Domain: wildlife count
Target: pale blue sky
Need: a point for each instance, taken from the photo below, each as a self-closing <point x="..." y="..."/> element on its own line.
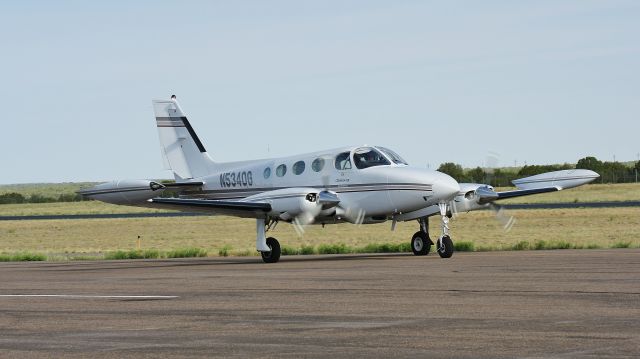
<point x="537" y="81"/>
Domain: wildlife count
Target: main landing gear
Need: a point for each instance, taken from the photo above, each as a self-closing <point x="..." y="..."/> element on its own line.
<point x="269" y="248"/>
<point x="421" y="243"/>
<point x="274" y="254"/>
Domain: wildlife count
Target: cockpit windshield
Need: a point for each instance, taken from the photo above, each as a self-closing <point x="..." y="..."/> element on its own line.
<point x="365" y="157"/>
<point x="393" y="156"/>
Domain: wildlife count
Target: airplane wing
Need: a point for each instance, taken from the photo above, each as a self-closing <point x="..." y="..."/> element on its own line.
<point x="230" y="208"/>
<point x="475" y="196"/>
<point x="542" y="183"/>
<point x="487" y="194"/>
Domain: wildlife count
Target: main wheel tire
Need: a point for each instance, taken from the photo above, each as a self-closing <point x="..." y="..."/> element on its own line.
<point x="445" y="247"/>
<point x="274" y="255"/>
<point x="420" y="244"/>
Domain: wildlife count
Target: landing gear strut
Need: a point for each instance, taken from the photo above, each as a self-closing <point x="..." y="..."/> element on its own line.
<point x="269" y="248"/>
<point x="420" y="242"/>
<point x="445" y="244"/>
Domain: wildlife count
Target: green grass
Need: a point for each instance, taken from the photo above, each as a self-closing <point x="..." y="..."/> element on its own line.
<point x="546" y="245"/>
<point x="133" y="254"/>
<point x="305" y="250"/>
<point x="186" y="253"/>
<point x="337" y="248"/>
<point x="462" y="246"/>
<point x="621" y="245"/>
<point x="224" y="251"/>
<point x="521" y="246"/>
<point x="289" y="251"/>
<point x="156" y="254"/>
<point x="22" y="257"/>
<point x="385" y="248"/>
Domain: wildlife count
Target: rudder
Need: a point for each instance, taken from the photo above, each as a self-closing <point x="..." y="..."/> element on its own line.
<point x="182" y="150"/>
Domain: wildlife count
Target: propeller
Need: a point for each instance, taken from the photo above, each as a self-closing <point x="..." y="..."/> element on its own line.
<point x="491" y="162"/>
<point x="323" y="200"/>
<point x="486" y="195"/>
<point x="507" y="221"/>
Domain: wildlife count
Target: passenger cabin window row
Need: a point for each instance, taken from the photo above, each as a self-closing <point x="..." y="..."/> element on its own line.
<point x="363" y="157"/>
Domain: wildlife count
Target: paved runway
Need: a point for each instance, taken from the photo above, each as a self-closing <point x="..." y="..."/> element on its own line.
<point x="535" y="304"/>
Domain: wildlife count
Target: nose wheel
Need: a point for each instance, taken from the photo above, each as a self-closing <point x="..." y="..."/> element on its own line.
<point x="445" y="246"/>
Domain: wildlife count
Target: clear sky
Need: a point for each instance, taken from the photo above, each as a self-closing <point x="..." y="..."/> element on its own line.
<point x="535" y="81"/>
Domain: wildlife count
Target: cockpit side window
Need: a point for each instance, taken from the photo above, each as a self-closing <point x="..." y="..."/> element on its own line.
<point x="343" y="161"/>
<point x="366" y="157"/>
<point x="393" y="156"/>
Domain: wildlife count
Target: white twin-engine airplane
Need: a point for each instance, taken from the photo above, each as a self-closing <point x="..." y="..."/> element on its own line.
<point x="359" y="184"/>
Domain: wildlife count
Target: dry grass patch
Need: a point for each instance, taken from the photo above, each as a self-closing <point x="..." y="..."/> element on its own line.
<point x="581" y="228"/>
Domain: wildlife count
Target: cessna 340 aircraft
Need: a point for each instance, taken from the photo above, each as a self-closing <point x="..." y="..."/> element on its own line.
<point x="359" y="184"/>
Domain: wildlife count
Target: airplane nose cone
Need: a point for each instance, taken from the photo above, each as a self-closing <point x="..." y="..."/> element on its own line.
<point x="445" y="187"/>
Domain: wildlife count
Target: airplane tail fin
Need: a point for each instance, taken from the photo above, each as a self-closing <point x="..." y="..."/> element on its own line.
<point x="182" y="151"/>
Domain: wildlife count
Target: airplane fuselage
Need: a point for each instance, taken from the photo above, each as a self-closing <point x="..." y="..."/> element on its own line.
<point x="379" y="191"/>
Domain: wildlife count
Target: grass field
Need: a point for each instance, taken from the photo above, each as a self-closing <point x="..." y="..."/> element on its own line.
<point x="57" y="208"/>
<point x="45" y="189"/>
<point x="607" y="227"/>
<point x="602" y="228"/>
<point x="589" y="193"/>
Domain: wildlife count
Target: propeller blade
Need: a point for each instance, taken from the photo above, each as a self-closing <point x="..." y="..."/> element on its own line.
<point x="506" y="220"/>
<point x="304" y="219"/>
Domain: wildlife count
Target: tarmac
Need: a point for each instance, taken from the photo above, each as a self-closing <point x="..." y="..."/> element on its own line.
<point x="530" y="304"/>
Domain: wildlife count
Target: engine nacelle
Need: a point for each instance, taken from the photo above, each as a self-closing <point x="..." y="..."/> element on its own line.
<point x="468" y="201"/>
<point x="124" y="192"/>
<point x="289" y="203"/>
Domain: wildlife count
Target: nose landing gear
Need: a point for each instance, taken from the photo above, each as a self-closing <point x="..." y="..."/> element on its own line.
<point x="445" y="244"/>
<point x="421" y="243"/>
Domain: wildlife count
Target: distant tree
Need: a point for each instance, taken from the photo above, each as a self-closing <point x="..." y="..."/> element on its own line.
<point x="69" y="197"/>
<point x="476" y="175"/>
<point x="538" y="169"/>
<point x="589" y="163"/>
<point x="11" y="198"/>
<point x="614" y="172"/>
<point x="38" y="198"/>
<point x="454" y="170"/>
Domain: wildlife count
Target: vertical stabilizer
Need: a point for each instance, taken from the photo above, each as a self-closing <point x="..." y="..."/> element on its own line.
<point x="181" y="148"/>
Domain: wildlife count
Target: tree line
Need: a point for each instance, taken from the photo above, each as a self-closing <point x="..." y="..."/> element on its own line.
<point x="610" y="172"/>
<point x="16" y="198"/>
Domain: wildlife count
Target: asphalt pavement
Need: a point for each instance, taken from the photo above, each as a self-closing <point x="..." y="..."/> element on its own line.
<point x="530" y="304"/>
